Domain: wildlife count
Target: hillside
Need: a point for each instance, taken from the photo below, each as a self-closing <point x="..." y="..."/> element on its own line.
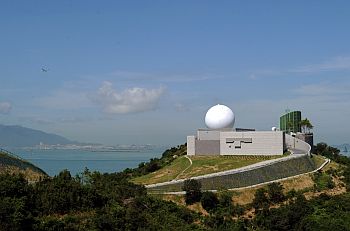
<point x="18" y="136"/>
<point x="9" y="163"/>
<point x="181" y="167"/>
<point x="344" y="148"/>
<point x="278" y="170"/>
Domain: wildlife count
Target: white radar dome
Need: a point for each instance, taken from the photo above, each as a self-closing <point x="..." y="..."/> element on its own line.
<point x="273" y="129"/>
<point x="219" y="116"/>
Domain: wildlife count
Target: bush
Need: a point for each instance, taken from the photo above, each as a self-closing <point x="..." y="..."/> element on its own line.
<point x="260" y="200"/>
<point x="193" y="191"/>
<point x="209" y="201"/>
<point x="322" y="181"/>
<point x="275" y="192"/>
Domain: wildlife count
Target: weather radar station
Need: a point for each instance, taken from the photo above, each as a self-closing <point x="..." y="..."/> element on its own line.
<point x="222" y="138"/>
<point x="219" y="117"/>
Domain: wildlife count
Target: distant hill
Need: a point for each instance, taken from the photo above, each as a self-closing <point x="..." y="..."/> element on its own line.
<point x="344" y="148"/>
<point x="18" y="136"/>
<point x="10" y="163"/>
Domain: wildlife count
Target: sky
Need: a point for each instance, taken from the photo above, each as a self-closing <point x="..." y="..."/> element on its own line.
<point x="146" y="72"/>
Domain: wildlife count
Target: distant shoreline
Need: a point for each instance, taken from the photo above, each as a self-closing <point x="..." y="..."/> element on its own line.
<point x="117" y="150"/>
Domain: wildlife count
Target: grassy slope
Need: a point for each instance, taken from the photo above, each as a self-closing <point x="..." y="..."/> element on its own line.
<point x="275" y="171"/>
<point x="209" y="164"/>
<point x="201" y="165"/>
<point x="13" y="165"/>
<point x="318" y="160"/>
<point x="165" y="174"/>
<point x="302" y="183"/>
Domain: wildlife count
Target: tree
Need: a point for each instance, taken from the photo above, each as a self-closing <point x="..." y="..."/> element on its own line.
<point x="275" y="192"/>
<point x="289" y="126"/>
<point x="209" y="201"/>
<point x="306" y="125"/>
<point x="193" y="191"/>
<point x="260" y="200"/>
<point x="309" y="126"/>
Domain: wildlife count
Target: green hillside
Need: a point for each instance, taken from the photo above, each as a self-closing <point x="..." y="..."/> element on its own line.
<point x="271" y="172"/>
<point x="9" y="163"/>
<point x="181" y="168"/>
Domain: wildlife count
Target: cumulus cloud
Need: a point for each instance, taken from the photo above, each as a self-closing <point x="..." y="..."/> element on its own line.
<point x="131" y="100"/>
<point x="5" y="107"/>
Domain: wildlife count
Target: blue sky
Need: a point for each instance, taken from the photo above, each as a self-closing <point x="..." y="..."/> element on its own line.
<point x="124" y="72"/>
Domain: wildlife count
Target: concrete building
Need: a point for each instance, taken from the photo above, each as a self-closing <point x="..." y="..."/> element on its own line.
<point x="221" y="139"/>
<point x="216" y="142"/>
<point x="290" y="122"/>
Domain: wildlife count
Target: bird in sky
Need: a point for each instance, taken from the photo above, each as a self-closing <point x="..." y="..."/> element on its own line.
<point x="44" y="69"/>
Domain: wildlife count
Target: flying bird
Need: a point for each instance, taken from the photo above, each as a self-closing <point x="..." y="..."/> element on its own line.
<point x="44" y="70"/>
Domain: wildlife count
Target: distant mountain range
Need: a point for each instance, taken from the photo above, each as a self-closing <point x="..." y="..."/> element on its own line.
<point x="18" y="136"/>
<point x="343" y="147"/>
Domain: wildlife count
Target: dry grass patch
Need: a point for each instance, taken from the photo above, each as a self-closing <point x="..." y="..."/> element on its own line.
<point x="298" y="183"/>
<point x="167" y="173"/>
<point x="28" y="174"/>
<point x="197" y="207"/>
<point x="245" y="196"/>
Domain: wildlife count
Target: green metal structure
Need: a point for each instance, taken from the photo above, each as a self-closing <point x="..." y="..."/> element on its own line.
<point x="290" y="122"/>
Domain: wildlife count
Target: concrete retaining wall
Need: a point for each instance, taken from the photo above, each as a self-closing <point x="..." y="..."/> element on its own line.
<point x="272" y="170"/>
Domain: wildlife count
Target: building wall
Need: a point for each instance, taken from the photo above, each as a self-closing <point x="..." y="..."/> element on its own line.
<point x="308" y="138"/>
<point x="207" y="147"/>
<point x="191" y="145"/>
<point x="295" y="143"/>
<point x="252" y="143"/>
<point x="208" y="135"/>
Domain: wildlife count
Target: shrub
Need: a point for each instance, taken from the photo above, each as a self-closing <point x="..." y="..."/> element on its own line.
<point x="275" y="192"/>
<point x="209" y="201"/>
<point x="193" y="191"/>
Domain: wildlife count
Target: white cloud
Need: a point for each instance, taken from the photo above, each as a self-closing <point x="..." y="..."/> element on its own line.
<point x="130" y="100"/>
<point x="334" y="64"/>
<point x="5" y="107"/>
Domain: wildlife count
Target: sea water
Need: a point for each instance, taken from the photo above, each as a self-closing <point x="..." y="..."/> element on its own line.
<point x="53" y="161"/>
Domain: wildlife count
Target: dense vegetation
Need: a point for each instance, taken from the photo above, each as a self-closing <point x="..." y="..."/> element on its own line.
<point x="91" y="201"/>
<point x="95" y="201"/>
